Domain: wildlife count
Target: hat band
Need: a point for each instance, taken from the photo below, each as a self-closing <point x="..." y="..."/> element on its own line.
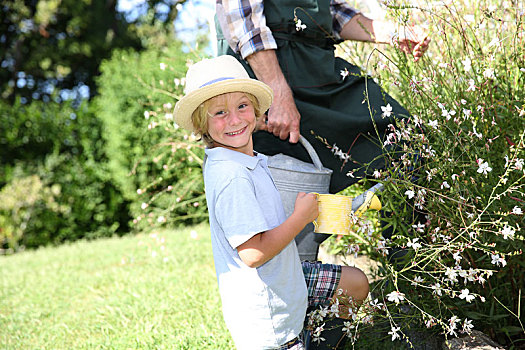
<point x="216" y="80"/>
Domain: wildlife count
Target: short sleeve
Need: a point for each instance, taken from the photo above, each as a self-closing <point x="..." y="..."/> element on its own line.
<point x="243" y="25"/>
<point x="341" y="13"/>
<point x="238" y="212"/>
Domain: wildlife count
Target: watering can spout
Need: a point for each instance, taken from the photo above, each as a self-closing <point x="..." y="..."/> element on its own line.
<point x="367" y="200"/>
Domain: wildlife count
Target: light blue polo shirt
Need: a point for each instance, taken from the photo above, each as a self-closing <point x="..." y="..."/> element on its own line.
<point x="263" y="307"/>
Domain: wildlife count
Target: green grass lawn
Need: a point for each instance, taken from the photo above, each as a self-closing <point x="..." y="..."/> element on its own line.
<point x="150" y="291"/>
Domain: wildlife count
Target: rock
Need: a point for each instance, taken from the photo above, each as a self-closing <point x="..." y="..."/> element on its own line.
<point x="475" y="341"/>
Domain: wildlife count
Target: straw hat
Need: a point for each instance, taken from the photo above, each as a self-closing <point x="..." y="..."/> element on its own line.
<point x="212" y="77"/>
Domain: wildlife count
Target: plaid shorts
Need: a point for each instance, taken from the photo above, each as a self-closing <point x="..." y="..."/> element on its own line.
<point x="321" y="281"/>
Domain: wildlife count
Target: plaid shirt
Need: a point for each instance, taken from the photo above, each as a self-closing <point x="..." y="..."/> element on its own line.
<point x="244" y="25"/>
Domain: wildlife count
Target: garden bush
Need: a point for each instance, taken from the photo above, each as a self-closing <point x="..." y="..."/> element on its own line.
<point x="464" y="264"/>
<point x="155" y="165"/>
<point x="54" y="179"/>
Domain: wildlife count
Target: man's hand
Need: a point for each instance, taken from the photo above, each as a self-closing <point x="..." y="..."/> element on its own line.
<point x="412" y="41"/>
<point x="283" y="118"/>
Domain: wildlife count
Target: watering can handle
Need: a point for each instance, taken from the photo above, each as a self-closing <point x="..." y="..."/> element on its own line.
<point x="311" y="151"/>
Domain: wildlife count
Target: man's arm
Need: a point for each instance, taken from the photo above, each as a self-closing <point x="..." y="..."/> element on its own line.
<point x="283" y="117"/>
<point x="247" y="34"/>
<point x="409" y="39"/>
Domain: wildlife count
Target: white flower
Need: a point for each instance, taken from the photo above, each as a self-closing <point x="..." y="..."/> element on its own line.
<point x="433" y="124"/>
<point x="478" y="135"/>
<point x="467" y="64"/>
<point x="465" y="295"/>
<point x="417" y="121"/>
<point x="467" y="112"/>
<point x="519" y="164"/>
<point x="334" y="309"/>
<point x="483" y="167"/>
<point x="497" y="260"/>
<point x="451" y="274"/>
<point x="344" y="73"/>
<point x="144" y="206"/>
<point x="146" y="115"/>
<point x="387" y="111"/>
<point x="437" y="289"/>
<point x="394" y="333"/>
<point x="410" y="194"/>
<point x="445" y="185"/>
<point x="471" y="85"/>
<point x="419" y="227"/>
<point x="414" y="244"/>
<point x="316" y="335"/>
<point x="299" y="26"/>
<point x="339" y="153"/>
<point x="396" y="296"/>
<point x="508" y="232"/>
<point x="467" y="325"/>
<point x="163" y="66"/>
<point x="430" y="323"/>
<point x="348" y="326"/>
<point x="517" y="210"/>
<point x="417" y="280"/>
<point x="489" y="73"/>
<point x="448" y="114"/>
<point x="453" y="320"/>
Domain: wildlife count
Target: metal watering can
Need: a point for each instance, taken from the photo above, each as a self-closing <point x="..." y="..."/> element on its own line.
<point x="292" y="176"/>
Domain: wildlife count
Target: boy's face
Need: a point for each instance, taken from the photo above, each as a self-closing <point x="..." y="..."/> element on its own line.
<point x="231" y="122"/>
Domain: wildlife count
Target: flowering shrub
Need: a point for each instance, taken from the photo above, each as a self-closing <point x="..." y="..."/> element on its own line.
<point x="463" y="267"/>
<point x="156" y="165"/>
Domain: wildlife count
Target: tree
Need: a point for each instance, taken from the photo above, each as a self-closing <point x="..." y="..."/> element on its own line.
<point x="54" y="48"/>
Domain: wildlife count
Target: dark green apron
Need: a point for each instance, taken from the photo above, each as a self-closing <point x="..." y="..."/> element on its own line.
<point x="331" y="107"/>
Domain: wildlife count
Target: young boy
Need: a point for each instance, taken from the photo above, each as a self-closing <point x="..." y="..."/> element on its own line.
<point x="265" y="289"/>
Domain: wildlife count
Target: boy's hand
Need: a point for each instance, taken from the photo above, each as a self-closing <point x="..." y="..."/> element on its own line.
<point x="306" y="206"/>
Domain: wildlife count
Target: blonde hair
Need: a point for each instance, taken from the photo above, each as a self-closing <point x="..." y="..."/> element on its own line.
<point x="199" y="117"/>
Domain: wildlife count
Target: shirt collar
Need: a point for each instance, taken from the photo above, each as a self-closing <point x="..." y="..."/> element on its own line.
<point x="221" y="154"/>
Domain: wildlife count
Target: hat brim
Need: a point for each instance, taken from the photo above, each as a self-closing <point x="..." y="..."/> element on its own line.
<point x="185" y="107"/>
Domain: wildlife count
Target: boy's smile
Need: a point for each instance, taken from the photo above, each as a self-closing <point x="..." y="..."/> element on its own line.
<point x="231" y="122"/>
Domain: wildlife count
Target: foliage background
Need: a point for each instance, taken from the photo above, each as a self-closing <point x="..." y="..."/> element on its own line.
<point x="88" y="147"/>
<point x="467" y="95"/>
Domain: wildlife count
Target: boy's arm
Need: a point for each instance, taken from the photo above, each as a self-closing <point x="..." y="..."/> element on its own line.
<point x="264" y="246"/>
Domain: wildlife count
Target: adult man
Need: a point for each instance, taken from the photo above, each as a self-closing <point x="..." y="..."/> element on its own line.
<point x="290" y="46"/>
